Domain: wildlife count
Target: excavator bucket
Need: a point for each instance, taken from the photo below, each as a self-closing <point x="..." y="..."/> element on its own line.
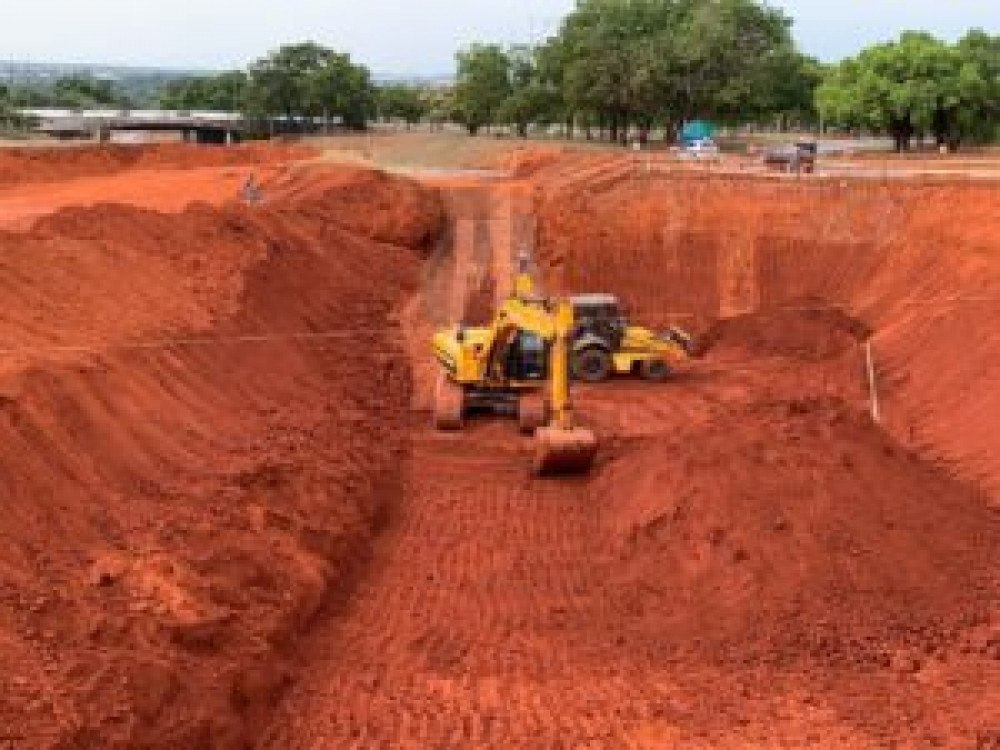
<point x="562" y="451"/>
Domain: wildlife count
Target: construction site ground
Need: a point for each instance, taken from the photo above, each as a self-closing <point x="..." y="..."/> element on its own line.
<point x="227" y="522"/>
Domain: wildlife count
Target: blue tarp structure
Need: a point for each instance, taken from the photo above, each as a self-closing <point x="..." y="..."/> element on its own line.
<point x="696" y="130"/>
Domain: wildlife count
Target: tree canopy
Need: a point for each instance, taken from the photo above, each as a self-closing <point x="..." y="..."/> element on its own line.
<point x="86" y="92"/>
<point x="301" y="83"/>
<point x="225" y="92"/>
<point x="622" y="65"/>
<point x="615" y="63"/>
<point x="482" y="85"/>
<point x="310" y="81"/>
<point x="915" y="85"/>
<point x="402" y="102"/>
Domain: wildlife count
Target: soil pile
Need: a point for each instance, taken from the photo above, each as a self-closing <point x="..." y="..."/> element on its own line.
<point x="791" y="543"/>
<point x="201" y="422"/>
<point x="799" y="519"/>
<point x="807" y="331"/>
<point x="19" y="166"/>
<point x="362" y="201"/>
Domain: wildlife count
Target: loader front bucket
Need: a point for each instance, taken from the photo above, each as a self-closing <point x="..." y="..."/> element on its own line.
<point x="562" y="451"/>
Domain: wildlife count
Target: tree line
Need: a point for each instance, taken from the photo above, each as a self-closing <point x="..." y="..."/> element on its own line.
<point x="615" y="69"/>
<point x="75" y="92"/>
<point x="918" y="86"/>
<point x="298" y="85"/>
<point x="68" y="92"/>
<point x="622" y="66"/>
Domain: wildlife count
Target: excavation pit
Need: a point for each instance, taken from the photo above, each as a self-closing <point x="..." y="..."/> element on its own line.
<point x="230" y="522"/>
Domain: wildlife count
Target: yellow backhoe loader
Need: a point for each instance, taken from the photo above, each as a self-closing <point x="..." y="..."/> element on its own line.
<point x="518" y="365"/>
<point x="605" y="343"/>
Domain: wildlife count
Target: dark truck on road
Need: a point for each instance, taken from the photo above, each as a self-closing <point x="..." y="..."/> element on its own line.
<point x="798" y="158"/>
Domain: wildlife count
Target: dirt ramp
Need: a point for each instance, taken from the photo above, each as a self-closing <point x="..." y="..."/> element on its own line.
<point x="202" y="421"/>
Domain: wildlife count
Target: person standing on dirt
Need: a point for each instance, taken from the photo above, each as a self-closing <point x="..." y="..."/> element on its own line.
<point x="251" y="190"/>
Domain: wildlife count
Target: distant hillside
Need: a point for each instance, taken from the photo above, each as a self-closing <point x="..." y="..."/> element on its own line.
<point x="20" y="72"/>
<point x="139" y="85"/>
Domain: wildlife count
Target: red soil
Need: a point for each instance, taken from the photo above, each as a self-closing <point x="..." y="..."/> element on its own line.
<point x="754" y="564"/>
<point x="182" y="500"/>
<point x="918" y="264"/>
<point x="188" y="555"/>
<point x="19" y="166"/>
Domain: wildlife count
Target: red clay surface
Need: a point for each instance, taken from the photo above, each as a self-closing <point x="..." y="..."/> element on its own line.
<point x="20" y="166"/>
<point x="200" y="419"/>
<point x="243" y="540"/>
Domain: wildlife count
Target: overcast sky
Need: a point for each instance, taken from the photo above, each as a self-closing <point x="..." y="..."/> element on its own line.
<point x="398" y="37"/>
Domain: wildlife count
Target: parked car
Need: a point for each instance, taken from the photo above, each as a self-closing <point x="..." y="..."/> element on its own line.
<point x="704" y="148"/>
<point x="800" y="157"/>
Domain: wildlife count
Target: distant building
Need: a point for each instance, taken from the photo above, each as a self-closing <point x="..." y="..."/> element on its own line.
<point x="139" y="126"/>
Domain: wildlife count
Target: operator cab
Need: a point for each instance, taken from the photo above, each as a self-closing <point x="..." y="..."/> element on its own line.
<point x="526" y="357"/>
<point x="600" y="316"/>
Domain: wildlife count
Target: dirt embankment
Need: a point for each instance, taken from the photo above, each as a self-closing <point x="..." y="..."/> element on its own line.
<point x="201" y="423"/>
<point x="796" y="548"/>
<point x="765" y="525"/>
<point x="919" y="265"/>
<point x="21" y="166"/>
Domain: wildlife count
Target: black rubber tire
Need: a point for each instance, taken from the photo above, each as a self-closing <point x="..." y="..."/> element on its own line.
<point x="591" y="365"/>
<point x="655" y="370"/>
<point x="449" y="406"/>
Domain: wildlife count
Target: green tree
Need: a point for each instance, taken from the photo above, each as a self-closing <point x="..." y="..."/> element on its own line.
<point x="980" y="53"/>
<point x="533" y="97"/>
<point x="225" y="92"/>
<point x="86" y="92"/>
<point x="483" y="85"/>
<point x="915" y="85"/>
<point x="307" y="82"/>
<point x="278" y="82"/>
<point x="339" y="88"/>
<point x="633" y="63"/>
<point x="402" y="102"/>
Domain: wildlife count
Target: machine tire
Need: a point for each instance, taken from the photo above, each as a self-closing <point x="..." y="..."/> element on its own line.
<point x="449" y="405"/>
<point x="532" y="413"/>
<point x="591" y="365"/>
<point x="655" y="370"/>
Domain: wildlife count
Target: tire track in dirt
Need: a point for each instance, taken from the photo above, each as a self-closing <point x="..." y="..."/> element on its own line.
<point x="463" y="633"/>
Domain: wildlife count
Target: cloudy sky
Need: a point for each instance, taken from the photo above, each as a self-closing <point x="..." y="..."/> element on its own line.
<point x="399" y="37"/>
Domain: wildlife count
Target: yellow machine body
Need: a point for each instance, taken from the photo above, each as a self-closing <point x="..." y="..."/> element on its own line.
<point x="643" y="345"/>
<point x="506" y="366"/>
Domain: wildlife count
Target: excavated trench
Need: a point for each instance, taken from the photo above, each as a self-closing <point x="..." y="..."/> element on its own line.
<point x="248" y="535"/>
<point x="754" y="563"/>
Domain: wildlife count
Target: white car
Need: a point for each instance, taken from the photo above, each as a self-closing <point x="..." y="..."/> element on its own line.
<point x="705" y="148"/>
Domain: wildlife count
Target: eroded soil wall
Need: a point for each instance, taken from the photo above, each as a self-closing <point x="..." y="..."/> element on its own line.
<point x="919" y="264"/>
<point x="201" y="424"/>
